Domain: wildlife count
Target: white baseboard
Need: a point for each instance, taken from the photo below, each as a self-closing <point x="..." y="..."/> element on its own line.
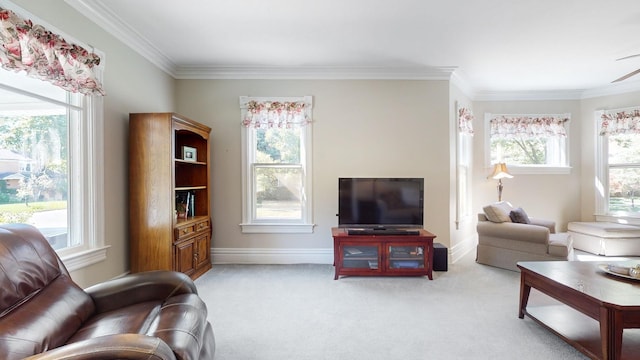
<point x="271" y="256"/>
<point x="460" y="250"/>
<point x="300" y="256"/>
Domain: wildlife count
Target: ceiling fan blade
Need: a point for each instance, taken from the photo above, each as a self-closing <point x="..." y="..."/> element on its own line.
<point x="627" y="76"/>
<point x="628" y="57"/>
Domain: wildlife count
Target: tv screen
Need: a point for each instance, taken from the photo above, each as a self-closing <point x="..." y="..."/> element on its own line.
<point x="381" y="202"/>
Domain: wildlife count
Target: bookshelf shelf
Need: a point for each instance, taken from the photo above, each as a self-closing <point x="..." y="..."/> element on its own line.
<point x="187" y="188"/>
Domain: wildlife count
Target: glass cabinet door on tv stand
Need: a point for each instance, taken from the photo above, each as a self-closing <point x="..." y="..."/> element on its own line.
<point x="405" y="256"/>
<point x="359" y="256"/>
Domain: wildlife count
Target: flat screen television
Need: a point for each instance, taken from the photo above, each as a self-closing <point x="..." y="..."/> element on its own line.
<point x="381" y="202"/>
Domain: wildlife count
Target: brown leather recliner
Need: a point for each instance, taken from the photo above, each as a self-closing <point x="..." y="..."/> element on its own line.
<point x="45" y="315"/>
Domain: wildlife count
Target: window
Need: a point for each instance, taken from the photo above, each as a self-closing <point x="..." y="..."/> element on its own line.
<point x="464" y="158"/>
<point x="619" y="162"/>
<point x="276" y="164"/>
<point x="50" y="137"/>
<point x="40" y="184"/>
<point x="528" y="143"/>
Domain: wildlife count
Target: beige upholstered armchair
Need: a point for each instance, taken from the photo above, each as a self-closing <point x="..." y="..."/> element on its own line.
<point x="507" y="235"/>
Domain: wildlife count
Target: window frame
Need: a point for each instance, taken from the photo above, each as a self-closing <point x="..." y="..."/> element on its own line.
<point x="527" y="169"/>
<point x="249" y="223"/>
<point x="602" y="212"/>
<point x="464" y="164"/>
<point x="86" y="159"/>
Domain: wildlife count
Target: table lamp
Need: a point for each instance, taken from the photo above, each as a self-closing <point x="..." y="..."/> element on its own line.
<point x="500" y="172"/>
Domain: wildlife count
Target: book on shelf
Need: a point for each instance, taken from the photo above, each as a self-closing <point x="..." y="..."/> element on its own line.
<point x="406" y="264"/>
<point x="353" y="251"/>
<point x="186" y="199"/>
<point x="192" y="203"/>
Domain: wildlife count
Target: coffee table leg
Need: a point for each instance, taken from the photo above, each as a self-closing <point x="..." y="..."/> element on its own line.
<point x="611" y="333"/>
<point x="525" y="290"/>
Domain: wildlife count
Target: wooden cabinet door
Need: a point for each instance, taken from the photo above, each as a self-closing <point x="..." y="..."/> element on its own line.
<point x="202" y="258"/>
<point x="185" y="257"/>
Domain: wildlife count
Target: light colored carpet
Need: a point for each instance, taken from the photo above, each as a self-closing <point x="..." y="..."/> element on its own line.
<point x="275" y="312"/>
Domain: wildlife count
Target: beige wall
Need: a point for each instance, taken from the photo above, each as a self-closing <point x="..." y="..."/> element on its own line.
<point x="132" y="85"/>
<point x="361" y="128"/>
<point x="555" y="197"/>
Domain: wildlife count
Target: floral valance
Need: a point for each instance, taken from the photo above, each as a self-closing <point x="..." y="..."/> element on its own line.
<point x="46" y="56"/>
<point x="528" y="126"/>
<point x="276" y="112"/>
<point x="621" y="121"/>
<point x="465" y="121"/>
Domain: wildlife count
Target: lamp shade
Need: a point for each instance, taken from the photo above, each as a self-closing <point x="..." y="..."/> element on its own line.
<point x="500" y="172"/>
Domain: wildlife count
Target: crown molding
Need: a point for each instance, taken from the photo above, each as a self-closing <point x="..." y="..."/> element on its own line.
<point x="459" y="79"/>
<point x="315" y="72"/>
<point x="612" y="89"/>
<point x="578" y="94"/>
<point x="528" y="95"/>
<point x="114" y="25"/>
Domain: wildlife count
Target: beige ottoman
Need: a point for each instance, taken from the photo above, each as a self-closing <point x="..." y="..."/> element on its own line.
<point x="605" y="238"/>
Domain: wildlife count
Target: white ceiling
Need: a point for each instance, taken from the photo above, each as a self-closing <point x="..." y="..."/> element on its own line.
<point x="488" y="46"/>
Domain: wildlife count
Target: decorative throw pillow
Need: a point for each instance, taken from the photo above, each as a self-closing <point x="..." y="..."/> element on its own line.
<point x="498" y="212"/>
<point x="519" y="216"/>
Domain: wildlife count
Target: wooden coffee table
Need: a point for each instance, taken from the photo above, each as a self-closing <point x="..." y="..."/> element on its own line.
<point x="612" y="301"/>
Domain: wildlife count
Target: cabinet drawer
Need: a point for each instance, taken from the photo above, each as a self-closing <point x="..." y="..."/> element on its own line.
<point x="184" y="232"/>
<point x="202" y="225"/>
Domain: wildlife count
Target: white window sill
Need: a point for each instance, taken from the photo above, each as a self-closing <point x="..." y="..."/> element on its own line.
<point x="535" y="170"/>
<point x="79" y="260"/>
<point x="620" y="219"/>
<point x="277" y="228"/>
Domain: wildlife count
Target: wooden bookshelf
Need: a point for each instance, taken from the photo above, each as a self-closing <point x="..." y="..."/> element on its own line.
<point x="158" y="174"/>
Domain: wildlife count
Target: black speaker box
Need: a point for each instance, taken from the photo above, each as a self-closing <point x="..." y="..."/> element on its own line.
<point x="440" y="257"/>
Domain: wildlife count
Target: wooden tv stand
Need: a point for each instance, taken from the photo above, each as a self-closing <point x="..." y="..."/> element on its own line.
<point x="382" y="255"/>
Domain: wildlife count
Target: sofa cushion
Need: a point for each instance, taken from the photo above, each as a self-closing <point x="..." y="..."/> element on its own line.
<point x="560" y="244"/>
<point x="605" y="229"/>
<point x="40" y="306"/>
<point x="519" y="216"/>
<point x="180" y="321"/>
<point x="498" y="212"/>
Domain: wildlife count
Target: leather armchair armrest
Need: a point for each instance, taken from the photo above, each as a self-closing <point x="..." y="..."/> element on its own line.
<point x="121" y="346"/>
<point x="139" y="287"/>
<point x="514" y="231"/>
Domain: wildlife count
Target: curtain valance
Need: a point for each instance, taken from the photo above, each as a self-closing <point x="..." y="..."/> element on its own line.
<point x="528" y="126"/>
<point x="621" y="121"/>
<point x="285" y="112"/>
<point x="465" y="121"/>
<point x="46" y="56"/>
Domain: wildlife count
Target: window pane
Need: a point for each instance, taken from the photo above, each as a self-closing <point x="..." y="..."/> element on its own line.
<point x="278" y="193"/>
<point x="624" y="149"/>
<point x="624" y="190"/>
<point x="278" y="146"/>
<point x="529" y="151"/>
<point x="34" y="184"/>
<point x="36" y="86"/>
<point x="624" y="173"/>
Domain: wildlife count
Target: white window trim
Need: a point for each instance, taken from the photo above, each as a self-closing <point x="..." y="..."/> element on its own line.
<point x="602" y="180"/>
<point x="86" y="216"/>
<point x="464" y="160"/>
<point x="88" y="219"/>
<point x="529" y="169"/>
<point x="249" y="224"/>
